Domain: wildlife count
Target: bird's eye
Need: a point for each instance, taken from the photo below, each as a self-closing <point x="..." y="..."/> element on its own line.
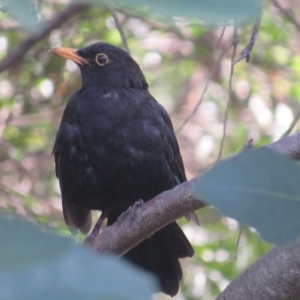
<point x="102" y="59"/>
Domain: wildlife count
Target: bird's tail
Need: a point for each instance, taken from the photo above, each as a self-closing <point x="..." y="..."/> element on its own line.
<point x="160" y="255"/>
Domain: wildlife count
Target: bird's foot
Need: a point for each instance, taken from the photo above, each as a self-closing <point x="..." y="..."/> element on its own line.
<point x="192" y="216"/>
<point x="131" y="211"/>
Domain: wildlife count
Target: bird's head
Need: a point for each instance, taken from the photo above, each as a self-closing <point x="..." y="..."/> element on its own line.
<point x="105" y="65"/>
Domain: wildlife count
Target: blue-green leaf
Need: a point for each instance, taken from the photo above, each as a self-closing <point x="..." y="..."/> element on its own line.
<point x="259" y="188"/>
<point x="212" y="12"/>
<point x="40" y="265"/>
<point x="23" y="11"/>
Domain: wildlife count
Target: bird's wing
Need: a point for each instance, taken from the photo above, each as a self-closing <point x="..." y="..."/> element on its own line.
<point x="174" y="158"/>
<point x="171" y="149"/>
<point x="76" y="217"/>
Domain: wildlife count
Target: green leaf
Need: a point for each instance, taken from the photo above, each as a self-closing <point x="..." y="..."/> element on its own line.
<point x="213" y="12"/>
<point x="37" y="245"/>
<point x="40" y="265"/>
<point x="259" y="188"/>
<point x="23" y="11"/>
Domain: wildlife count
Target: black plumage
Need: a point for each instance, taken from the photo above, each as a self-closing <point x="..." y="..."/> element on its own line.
<point x="116" y="145"/>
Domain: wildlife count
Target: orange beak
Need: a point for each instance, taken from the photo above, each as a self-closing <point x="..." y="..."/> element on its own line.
<point x="69" y="53"/>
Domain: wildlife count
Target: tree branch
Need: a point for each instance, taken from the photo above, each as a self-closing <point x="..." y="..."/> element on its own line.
<point x="289" y="146"/>
<point x="16" y="55"/>
<point x="248" y="49"/>
<point x="142" y="220"/>
<point x="288" y="15"/>
<point x="274" y="276"/>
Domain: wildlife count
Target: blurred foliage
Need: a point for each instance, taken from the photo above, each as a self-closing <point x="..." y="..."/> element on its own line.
<point x="176" y="60"/>
<point x="43" y="265"/>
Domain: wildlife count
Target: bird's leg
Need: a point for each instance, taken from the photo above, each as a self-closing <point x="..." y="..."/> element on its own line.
<point x="89" y="239"/>
<point x="99" y="223"/>
<point x="192" y="216"/>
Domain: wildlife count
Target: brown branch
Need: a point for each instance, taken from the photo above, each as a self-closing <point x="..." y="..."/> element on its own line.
<point x="274" y="276"/>
<point x="153" y="23"/>
<point x="288" y="146"/>
<point x="286" y="14"/>
<point x="247" y="51"/>
<point x="141" y="221"/>
<point x="16" y="55"/>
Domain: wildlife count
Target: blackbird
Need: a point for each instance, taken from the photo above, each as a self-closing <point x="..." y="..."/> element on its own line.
<point x="116" y="145"/>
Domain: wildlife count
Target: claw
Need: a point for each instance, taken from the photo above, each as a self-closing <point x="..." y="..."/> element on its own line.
<point x="192" y="216"/>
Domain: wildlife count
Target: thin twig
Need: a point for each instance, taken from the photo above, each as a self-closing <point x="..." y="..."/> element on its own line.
<point x="120" y="28"/>
<point x="286" y="14"/>
<point x="293" y="124"/>
<point x="154" y="24"/>
<point x="208" y="80"/>
<point x="16" y="55"/>
<point x="234" y="44"/>
<point x="237" y="242"/>
<point x="221" y="37"/>
<point x="248" y="49"/>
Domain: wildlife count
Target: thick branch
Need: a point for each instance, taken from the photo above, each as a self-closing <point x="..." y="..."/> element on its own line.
<point x="288" y="145"/>
<point x="141" y="221"/>
<point x="16" y="55"/>
<point x="275" y="276"/>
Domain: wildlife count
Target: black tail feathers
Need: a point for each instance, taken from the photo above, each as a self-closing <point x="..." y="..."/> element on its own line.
<point x="159" y="254"/>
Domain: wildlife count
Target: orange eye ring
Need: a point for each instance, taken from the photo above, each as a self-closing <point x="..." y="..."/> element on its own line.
<point x="101" y="59"/>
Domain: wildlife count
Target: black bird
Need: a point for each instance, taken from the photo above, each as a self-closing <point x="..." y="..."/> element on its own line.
<point x="116" y="145"/>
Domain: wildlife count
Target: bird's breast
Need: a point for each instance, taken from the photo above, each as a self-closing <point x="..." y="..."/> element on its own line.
<point x="110" y="153"/>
